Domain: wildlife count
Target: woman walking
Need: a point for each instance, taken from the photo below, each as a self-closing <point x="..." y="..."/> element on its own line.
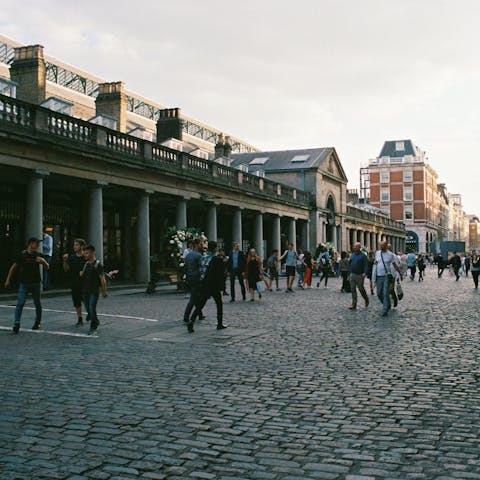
<point x="253" y="273"/>
<point x="344" y="265"/>
<point x="475" y="268"/>
<point x="308" y="265"/>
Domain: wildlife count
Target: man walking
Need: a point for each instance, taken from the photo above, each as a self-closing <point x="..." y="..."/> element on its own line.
<point x="93" y="279"/>
<point x="211" y="286"/>
<point x="385" y="261"/>
<point x="456" y="263"/>
<point x="412" y="264"/>
<point x="73" y="265"/>
<point x="358" y="270"/>
<point x="236" y="269"/>
<point x="193" y="264"/>
<point x="47" y="250"/>
<point x="272" y="265"/>
<point x="290" y="256"/>
<point x="27" y="266"/>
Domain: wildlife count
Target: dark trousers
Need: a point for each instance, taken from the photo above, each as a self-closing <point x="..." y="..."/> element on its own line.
<point x="345" y="283"/>
<point x="46" y="273"/>
<point x="90" y="301"/>
<point x="195" y="297"/>
<point x="475" y="277"/>
<point x="234" y="274"/>
<point x="413" y="270"/>
<point x="325" y="275"/>
<point x="23" y="290"/>
<point x="456" y="270"/>
<point x="217" y="297"/>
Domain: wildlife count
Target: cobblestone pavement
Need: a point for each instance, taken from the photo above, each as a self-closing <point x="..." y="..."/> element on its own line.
<point x="298" y="387"/>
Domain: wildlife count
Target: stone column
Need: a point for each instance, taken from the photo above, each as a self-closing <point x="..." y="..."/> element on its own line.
<point x="305" y="236"/>
<point x="292" y="232"/>
<point x="34" y="210"/>
<point x="95" y="218"/>
<point x="182" y="213"/>
<point x="276" y="234"/>
<point x="143" y="238"/>
<point x="237" y="227"/>
<point x="259" y="235"/>
<point x="212" y="223"/>
<point x="339" y="238"/>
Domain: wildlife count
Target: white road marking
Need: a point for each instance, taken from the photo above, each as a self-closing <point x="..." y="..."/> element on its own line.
<point x="74" y="313"/>
<point x="51" y="332"/>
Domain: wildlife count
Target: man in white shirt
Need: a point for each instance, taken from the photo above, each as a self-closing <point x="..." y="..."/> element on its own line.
<point x="47" y="250"/>
<point x="385" y="263"/>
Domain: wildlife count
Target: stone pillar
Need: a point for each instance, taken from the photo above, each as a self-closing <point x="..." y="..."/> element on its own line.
<point x="28" y="71"/>
<point x="143" y="238"/>
<point x="305" y="235"/>
<point x="212" y="223"/>
<point x="292" y="232"/>
<point x="34" y="210"/>
<point x="237" y="227"/>
<point x="276" y="234"/>
<point x="182" y="213"/>
<point x="259" y="235"/>
<point x="112" y="102"/>
<point x="339" y="237"/>
<point x="95" y="219"/>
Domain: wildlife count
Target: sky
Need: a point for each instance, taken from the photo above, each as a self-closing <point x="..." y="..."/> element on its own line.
<point x="285" y="75"/>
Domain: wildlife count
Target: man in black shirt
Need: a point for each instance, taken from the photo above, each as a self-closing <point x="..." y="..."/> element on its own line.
<point x="27" y="265"/>
<point x="92" y="280"/>
<point x="73" y="264"/>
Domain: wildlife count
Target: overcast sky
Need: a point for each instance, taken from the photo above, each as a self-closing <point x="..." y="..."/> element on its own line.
<point x="284" y="75"/>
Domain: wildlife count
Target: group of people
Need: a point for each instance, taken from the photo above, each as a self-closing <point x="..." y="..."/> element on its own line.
<point x="86" y="274"/>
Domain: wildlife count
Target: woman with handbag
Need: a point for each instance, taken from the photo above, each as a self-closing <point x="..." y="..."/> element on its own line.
<point x="253" y="273"/>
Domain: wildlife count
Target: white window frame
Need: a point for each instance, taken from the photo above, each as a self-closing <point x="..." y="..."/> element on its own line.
<point x="405" y="197"/>
<point x="408" y="178"/>
<point x="384" y="176"/>
<point x="408" y="209"/>
<point x="383" y="191"/>
<point x="400" y="146"/>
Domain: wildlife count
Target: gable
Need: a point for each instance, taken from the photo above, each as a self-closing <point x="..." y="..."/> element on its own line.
<point x="331" y="165"/>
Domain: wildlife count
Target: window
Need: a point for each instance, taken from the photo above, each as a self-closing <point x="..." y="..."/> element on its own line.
<point x="408" y="211"/>
<point x="300" y="158"/>
<point x="384" y="176"/>
<point x="407" y="194"/>
<point x="400" y="146"/>
<point x="407" y="175"/>
<point x="259" y="161"/>
<point x="384" y="194"/>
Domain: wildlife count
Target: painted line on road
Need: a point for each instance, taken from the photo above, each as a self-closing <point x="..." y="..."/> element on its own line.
<point x="52" y="332"/>
<point x="99" y="314"/>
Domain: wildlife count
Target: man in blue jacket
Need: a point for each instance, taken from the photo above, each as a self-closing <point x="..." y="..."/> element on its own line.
<point x="358" y="270"/>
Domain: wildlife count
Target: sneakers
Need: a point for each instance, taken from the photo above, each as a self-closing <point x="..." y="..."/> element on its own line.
<point x="36" y="326"/>
<point x="16" y="329"/>
<point x="221" y="326"/>
<point x="93" y="333"/>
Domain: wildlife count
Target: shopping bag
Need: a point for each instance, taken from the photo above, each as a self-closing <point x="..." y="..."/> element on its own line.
<point x="399" y="290"/>
<point x="260" y="286"/>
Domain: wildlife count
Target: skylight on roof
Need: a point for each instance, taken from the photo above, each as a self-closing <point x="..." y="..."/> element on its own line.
<point x="259" y="161"/>
<point x="300" y="158"/>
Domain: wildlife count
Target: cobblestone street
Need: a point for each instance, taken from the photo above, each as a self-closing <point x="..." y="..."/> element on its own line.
<point x="298" y="387"/>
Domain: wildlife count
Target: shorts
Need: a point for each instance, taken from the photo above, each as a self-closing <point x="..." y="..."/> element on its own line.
<point x="290" y="271"/>
<point x="77" y="295"/>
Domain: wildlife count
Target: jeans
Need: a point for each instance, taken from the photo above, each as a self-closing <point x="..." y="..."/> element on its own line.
<point x="383" y="294"/>
<point x="356" y="281"/>
<point x="236" y="273"/>
<point x="195" y="294"/>
<point x="90" y="301"/>
<point x="23" y="290"/>
<point x="217" y="297"/>
<point x="300" y="276"/>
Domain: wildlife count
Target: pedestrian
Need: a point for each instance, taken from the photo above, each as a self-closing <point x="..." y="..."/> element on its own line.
<point x="421" y="267"/>
<point x="273" y="268"/>
<point x="73" y="264"/>
<point x="344" y="267"/>
<point x="93" y="280"/>
<point x="290" y="256"/>
<point x="225" y="273"/>
<point x="475" y="264"/>
<point x="395" y="277"/>
<point x="467" y="264"/>
<point x="371" y="261"/>
<point x="308" y="265"/>
<point x="456" y="263"/>
<point x="324" y="262"/>
<point x="358" y="269"/>
<point x="26" y="268"/>
<point x="411" y="262"/>
<point x="193" y="277"/>
<point x="211" y="286"/>
<point x="382" y="273"/>
<point x="253" y="273"/>
<point x="186" y="251"/>
<point x="236" y="269"/>
<point x="300" y="269"/>
<point x="47" y="250"/>
<point x="403" y="263"/>
<point x="440" y="265"/>
<point x="336" y="264"/>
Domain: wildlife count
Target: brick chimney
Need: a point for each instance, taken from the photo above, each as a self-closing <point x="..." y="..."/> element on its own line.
<point x="220" y="146"/>
<point x="29" y="71"/>
<point x="227" y="148"/>
<point x="112" y="101"/>
<point x="169" y="124"/>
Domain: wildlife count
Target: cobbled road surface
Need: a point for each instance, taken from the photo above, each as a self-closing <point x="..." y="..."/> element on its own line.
<point x="298" y="387"/>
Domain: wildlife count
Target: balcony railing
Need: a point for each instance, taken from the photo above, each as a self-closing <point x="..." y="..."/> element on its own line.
<point x="359" y="213"/>
<point x="40" y="122"/>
